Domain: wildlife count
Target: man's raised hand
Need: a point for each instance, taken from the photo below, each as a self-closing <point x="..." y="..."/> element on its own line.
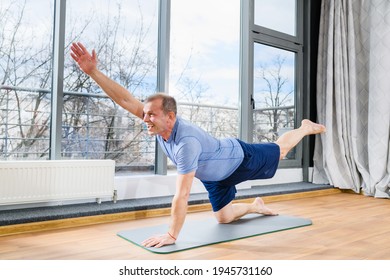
<point x="84" y="59"/>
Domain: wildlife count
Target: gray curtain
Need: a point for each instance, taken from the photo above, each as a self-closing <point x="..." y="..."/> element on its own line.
<point x="353" y="96"/>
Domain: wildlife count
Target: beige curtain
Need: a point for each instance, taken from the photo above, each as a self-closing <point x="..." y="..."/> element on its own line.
<point x="353" y="96"/>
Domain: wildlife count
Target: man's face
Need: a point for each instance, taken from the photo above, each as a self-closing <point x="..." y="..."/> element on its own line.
<point x="157" y="122"/>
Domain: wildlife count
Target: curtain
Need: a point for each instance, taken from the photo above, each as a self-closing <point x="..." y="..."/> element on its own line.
<point x="353" y="96"/>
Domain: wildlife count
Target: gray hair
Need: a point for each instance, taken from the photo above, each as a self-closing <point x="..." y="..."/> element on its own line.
<point x="168" y="102"/>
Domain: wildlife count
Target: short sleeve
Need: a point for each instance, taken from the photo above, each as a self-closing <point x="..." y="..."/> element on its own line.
<point x="187" y="155"/>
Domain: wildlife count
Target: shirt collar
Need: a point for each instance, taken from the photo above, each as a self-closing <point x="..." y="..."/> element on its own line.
<point x="172" y="137"/>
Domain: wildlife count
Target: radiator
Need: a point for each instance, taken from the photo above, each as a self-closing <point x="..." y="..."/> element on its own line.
<point x="55" y="180"/>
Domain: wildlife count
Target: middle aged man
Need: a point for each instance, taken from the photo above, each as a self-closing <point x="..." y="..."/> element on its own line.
<point x="219" y="163"/>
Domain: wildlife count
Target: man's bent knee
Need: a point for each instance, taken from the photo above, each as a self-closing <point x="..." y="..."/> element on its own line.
<point x="225" y="215"/>
<point x="224" y="220"/>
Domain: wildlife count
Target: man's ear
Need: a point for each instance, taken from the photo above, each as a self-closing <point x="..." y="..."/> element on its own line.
<point x="171" y="115"/>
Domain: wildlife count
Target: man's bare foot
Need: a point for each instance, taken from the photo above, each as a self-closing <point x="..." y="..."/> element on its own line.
<point x="312" y="128"/>
<point x="260" y="207"/>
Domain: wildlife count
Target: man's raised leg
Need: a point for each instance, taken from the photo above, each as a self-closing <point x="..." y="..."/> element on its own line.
<point x="234" y="211"/>
<point x="291" y="138"/>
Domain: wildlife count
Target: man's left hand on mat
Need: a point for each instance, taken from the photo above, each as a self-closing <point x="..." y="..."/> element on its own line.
<point x="158" y="241"/>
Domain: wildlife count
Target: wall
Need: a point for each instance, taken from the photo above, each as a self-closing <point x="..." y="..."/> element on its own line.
<point x="142" y="186"/>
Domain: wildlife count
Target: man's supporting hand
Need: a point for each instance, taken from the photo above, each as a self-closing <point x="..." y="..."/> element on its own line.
<point x="159" y="240"/>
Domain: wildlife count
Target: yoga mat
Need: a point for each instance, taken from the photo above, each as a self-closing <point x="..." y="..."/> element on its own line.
<point x="198" y="233"/>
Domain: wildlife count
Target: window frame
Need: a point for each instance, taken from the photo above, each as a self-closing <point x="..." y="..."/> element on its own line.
<point x="252" y="34"/>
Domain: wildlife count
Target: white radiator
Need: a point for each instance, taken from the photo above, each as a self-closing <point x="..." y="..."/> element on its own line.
<point x="55" y="180"/>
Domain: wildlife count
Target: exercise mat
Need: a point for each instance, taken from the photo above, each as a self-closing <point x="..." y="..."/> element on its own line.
<point x="198" y="233"/>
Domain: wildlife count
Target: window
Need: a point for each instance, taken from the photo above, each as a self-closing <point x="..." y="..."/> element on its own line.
<point x="124" y="35"/>
<point x="204" y="73"/>
<point x="25" y="73"/>
<point x="273" y="60"/>
<point x="204" y="63"/>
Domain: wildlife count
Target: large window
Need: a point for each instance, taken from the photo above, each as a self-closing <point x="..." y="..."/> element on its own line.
<point x="203" y="74"/>
<point x="124" y="35"/>
<point x="25" y="78"/>
<point x="204" y="63"/>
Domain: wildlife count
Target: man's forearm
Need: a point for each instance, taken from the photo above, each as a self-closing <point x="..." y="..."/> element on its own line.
<point x="121" y="96"/>
<point x="178" y="215"/>
<point x="118" y="94"/>
<point x="180" y="202"/>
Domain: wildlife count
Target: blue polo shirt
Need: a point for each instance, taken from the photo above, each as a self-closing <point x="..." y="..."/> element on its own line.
<point x="192" y="149"/>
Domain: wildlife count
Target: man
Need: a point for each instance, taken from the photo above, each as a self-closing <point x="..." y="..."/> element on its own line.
<point x="219" y="164"/>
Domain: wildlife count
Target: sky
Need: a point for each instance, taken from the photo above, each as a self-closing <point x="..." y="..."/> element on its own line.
<point x="279" y="15"/>
<point x="210" y="30"/>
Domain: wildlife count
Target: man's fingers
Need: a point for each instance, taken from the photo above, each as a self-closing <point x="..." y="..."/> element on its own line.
<point x="76" y="49"/>
<point x="145" y="242"/>
<point x="158" y="245"/>
<point x="74" y="56"/>
<point x="149" y="242"/>
<point x="157" y="241"/>
<point x="83" y="49"/>
<point x="79" y="50"/>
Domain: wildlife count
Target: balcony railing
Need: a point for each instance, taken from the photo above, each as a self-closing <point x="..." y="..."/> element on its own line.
<point x="93" y="127"/>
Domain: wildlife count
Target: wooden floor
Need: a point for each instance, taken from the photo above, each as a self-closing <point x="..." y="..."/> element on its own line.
<point x="345" y="226"/>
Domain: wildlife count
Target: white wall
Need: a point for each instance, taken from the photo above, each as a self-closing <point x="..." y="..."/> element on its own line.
<point x="143" y="186"/>
<point x="129" y="187"/>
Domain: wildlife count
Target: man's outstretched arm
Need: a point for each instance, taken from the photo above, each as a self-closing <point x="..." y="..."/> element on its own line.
<point x="178" y="212"/>
<point x="121" y="96"/>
